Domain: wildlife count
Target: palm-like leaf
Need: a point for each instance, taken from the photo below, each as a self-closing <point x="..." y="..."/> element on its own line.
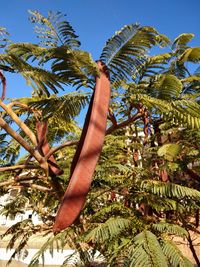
<point x="40" y="79"/>
<point x="163" y="227"/>
<point x="146" y="251"/>
<point x="65" y="107"/>
<point x="166" y="87"/>
<point x="53" y="30"/>
<point x="182" y="40"/>
<point x="108" y="230"/>
<point x="125" y="51"/>
<point x="169" y="151"/>
<point x="184" y="112"/>
<point x="71" y="66"/>
<point x="169" y="190"/>
<point x="174" y="255"/>
<point x="152" y="66"/>
<point x="190" y="55"/>
<point x="3" y="37"/>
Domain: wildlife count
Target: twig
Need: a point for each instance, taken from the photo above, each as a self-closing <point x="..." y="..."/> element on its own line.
<point x="6" y="183"/>
<point x="124" y="123"/>
<point x="18" y="167"/>
<point x="55" y="149"/>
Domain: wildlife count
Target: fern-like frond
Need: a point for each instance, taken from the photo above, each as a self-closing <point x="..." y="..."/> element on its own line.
<point x="182" y="112"/>
<point x="54" y="30"/>
<point x="71" y="66"/>
<point x="170" y="190"/>
<point x="125" y="51"/>
<point x="166" y="87"/>
<point x="190" y="55"/>
<point x="173" y="229"/>
<point x="65" y="107"/>
<point x="108" y="230"/>
<point x="182" y="40"/>
<point x="40" y="79"/>
<point x="78" y="66"/>
<point x="3" y="37"/>
<point x="146" y="251"/>
<point x="152" y="66"/>
<point x="176" y="258"/>
<point x="169" y="151"/>
<point x="20" y="233"/>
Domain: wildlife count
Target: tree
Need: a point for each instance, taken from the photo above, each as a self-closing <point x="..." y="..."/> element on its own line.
<point x="146" y="90"/>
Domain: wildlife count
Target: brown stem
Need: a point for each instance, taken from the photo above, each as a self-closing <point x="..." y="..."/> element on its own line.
<point x="28" y="178"/>
<point x="44" y="147"/>
<point x="192" y="249"/>
<point x="20" y="179"/>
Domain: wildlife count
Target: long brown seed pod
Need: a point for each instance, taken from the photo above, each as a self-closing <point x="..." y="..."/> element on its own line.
<point x="87" y="154"/>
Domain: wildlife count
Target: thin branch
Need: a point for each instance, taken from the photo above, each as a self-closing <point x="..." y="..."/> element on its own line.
<point x="124" y="123"/>
<point x="18" y="167"/>
<point x="28" y="178"/>
<point x="38" y="187"/>
<point x="21" y="179"/>
<point x="55" y="149"/>
<point x="20" y="123"/>
<point x="36" y="112"/>
<point x="111" y="117"/>
<point x="6" y="183"/>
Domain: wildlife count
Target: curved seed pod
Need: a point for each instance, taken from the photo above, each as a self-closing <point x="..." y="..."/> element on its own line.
<point x="87" y="154"/>
<point x="44" y="148"/>
<point x="3" y="80"/>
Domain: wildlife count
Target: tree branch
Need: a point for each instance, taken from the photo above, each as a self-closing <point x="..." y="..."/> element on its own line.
<point x="124" y="123"/>
<point x="18" y="167"/>
<point x="38" y="187"/>
<point x="55" y="149"/>
<point x="6" y="183"/>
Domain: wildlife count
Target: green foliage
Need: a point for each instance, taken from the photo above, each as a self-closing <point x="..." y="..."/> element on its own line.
<point x="170" y="190"/>
<point x="20" y="232"/>
<point x="191" y="55"/>
<point x="166" y="87"/>
<point x="130" y="216"/>
<point x="163" y="227"/>
<point x="14" y="206"/>
<point x="152" y="66"/>
<point x="125" y="51"/>
<point x="41" y="80"/>
<point x="174" y="255"/>
<point x="169" y="151"/>
<point x="183" y="112"/>
<point x="3" y="37"/>
<point x="182" y="40"/>
<point x="65" y="107"/>
<point x="107" y="231"/>
<point x="54" y="30"/>
<point x="146" y="251"/>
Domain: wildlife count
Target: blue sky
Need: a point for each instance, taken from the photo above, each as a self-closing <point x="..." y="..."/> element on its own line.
<point x="96" y="21"/>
